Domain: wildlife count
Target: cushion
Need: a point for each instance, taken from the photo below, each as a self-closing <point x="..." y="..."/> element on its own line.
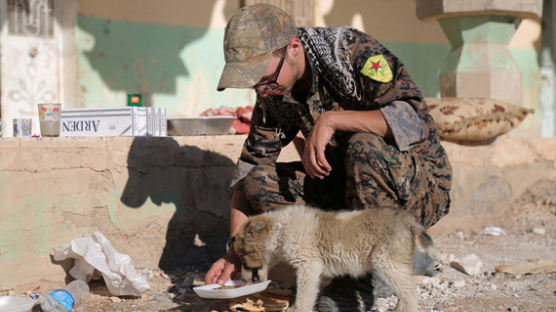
<point x="474" y="119"/>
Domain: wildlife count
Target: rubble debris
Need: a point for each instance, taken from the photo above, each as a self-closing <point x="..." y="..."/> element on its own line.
<point x="115" y="299"/>
<point x="422" y="280"/>
<point x="458" y="284"/>
<point x="493" y="231"/>
<point x="469" y="264"/>
<point x="446" y="258"/>
<point x="539" y="230"/>
<point x="540" y="267"/>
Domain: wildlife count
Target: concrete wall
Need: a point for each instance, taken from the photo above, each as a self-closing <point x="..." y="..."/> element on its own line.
<point x="152" y="196"/>
<point x="149" y="196"/>
<point x="172" y="53"/>
<point x="423" y="47"/>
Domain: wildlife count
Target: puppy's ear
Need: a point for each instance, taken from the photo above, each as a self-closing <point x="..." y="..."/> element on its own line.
<point x="257" y="226"/>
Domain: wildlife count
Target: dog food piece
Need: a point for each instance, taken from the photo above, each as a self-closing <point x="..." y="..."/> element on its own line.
<point x="266" y="302"/>
<point x="228" y="287"/>
<point x="248" y="305"/>
<point x="232" y="286"/>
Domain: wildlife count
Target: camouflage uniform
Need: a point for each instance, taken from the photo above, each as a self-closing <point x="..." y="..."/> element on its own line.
<point x="410" y="171"/>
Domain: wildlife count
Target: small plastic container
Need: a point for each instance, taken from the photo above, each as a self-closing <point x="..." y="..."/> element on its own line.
<point x="64" y="300"/>
<point x="16" y="304"/>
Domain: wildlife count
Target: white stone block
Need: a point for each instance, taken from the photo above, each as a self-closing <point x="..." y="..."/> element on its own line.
<point x="469" y="264"/>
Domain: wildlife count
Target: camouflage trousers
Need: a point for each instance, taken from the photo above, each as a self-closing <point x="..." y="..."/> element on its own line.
<point x="368" y="171"/>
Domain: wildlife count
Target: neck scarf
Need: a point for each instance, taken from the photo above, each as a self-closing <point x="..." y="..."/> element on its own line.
<point x="328" y="49"/>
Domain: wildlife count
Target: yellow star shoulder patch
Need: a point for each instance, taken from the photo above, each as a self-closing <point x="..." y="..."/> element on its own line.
<point x="376" y="67"/>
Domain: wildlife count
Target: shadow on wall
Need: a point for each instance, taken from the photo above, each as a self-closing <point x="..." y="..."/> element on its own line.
<point x="135" y="57"/>
<point x="196" y="182"/>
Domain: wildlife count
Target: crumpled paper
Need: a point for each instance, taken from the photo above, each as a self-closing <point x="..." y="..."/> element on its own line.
<point x="95" y="252"/>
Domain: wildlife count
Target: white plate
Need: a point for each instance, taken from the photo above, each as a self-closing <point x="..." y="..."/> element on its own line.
<point x="209" y="291"/>
<point x="15" y="304"/>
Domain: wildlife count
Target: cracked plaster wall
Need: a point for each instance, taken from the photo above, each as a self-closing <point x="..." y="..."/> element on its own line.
<point x="152" y="197"/>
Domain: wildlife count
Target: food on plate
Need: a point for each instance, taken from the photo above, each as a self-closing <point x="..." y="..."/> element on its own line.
<point x="229" y="287"/>
<point x="265" y="301"/>
<point x="242" y="116"/>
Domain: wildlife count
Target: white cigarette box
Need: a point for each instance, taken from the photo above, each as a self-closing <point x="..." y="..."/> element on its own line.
<point x="150" y="121"/>
<point x="156" y="128"/>
<point x="163" y="122"/>
<point x="121" y="121"/>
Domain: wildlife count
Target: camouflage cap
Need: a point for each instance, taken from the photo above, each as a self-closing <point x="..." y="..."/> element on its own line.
<point x="252" y="34"/>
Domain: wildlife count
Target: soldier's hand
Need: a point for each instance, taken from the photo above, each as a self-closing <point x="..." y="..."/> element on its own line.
<point x="224" y="269"/>
<point x="313" y="159"/>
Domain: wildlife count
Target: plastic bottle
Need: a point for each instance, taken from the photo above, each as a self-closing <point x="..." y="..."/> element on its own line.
<point x="64" y="300"/>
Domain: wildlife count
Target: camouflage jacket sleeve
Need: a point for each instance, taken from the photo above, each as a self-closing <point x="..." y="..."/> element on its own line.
<point x="265" y="139"/>
<point x="387" y="85"/>
<point x="404" y="123"/>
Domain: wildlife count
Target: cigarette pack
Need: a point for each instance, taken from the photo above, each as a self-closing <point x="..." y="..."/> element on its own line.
<point x="121" y="121"/>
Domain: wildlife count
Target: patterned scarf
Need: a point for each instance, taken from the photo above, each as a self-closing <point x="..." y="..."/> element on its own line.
<point x="328" y="50"/>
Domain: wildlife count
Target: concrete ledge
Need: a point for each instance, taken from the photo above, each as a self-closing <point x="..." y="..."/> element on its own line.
<point x="445" y="8"/>
<point x="488" y="178"/>
<point x="164" y="201"/>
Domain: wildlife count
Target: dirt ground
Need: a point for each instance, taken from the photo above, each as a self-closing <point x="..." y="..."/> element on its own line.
<point x="530" y="230"/>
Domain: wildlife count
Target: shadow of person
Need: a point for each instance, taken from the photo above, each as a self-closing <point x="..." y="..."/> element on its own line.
<point x="147" y="56"/>
<point x="196" y="182"/>
<point x="137" y="67"/>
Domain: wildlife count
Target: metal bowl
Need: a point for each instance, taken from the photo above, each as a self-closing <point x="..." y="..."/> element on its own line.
<point x="209" y="125"/>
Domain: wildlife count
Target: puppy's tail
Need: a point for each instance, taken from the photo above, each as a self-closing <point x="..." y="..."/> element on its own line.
<point x="424" y="243"/>
<point x="421" y="240"/>
<point x="424" y="255"/>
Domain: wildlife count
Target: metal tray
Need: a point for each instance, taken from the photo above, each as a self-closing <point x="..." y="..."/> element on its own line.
<point x="210" y="125"/>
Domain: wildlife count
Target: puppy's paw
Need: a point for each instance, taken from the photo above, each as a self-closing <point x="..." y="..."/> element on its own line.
<point x="291" y="309"/>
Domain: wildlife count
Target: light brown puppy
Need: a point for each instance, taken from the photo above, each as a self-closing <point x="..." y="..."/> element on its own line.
<point x="322" y="245"/>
